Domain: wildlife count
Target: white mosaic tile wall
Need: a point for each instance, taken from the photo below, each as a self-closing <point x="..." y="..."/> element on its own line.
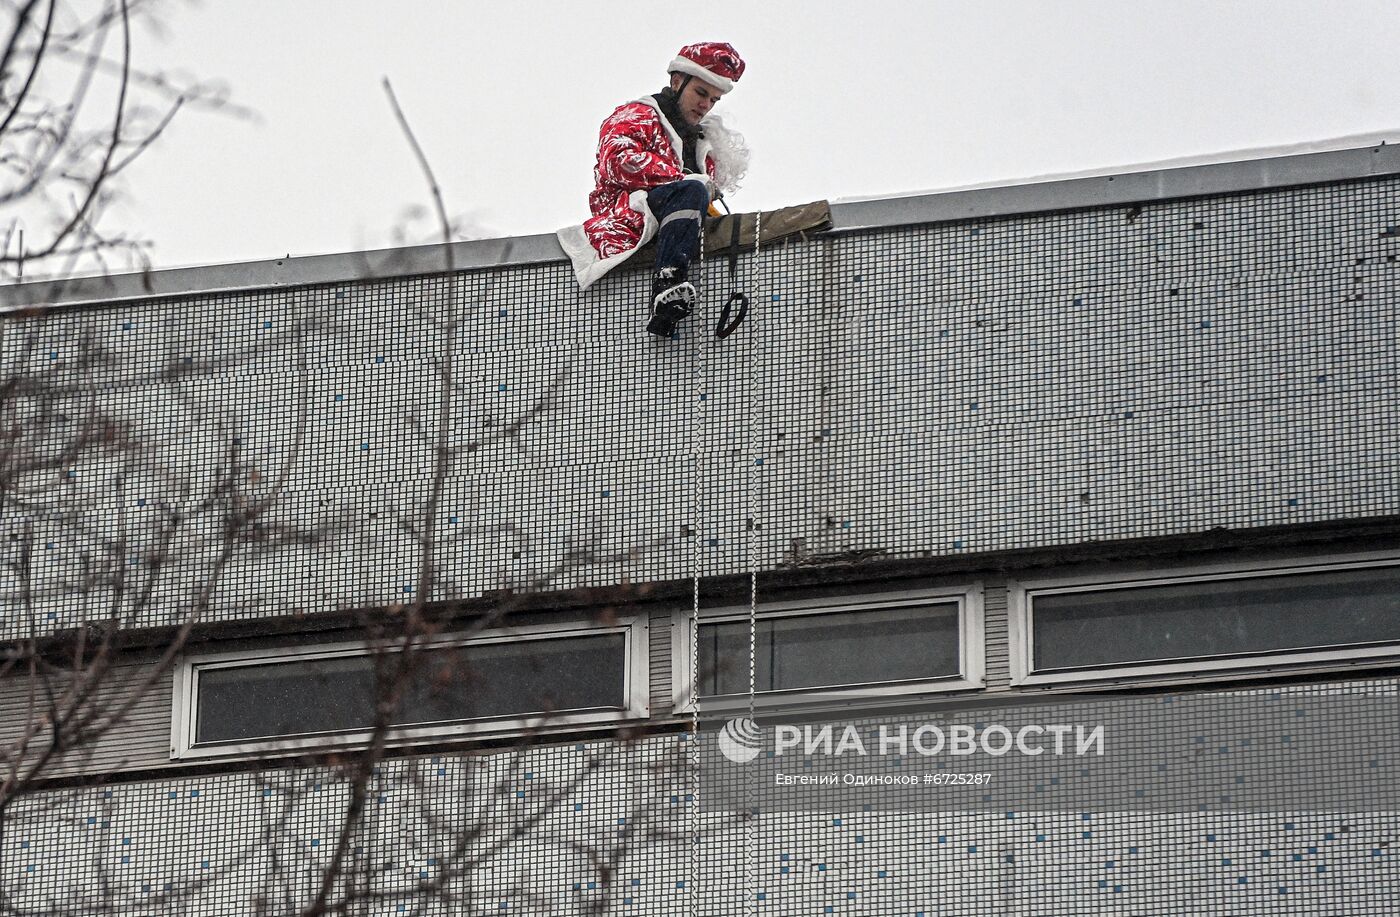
<point x="962" y="387"/>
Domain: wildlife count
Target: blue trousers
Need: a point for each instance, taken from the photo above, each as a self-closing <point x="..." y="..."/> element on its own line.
<point x="678" y="207"/>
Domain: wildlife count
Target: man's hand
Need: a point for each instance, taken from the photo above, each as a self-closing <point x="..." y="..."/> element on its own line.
<point x="707" y="181"/>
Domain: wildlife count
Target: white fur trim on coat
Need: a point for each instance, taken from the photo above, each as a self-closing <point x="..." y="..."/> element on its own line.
<point x="588" y="267"/>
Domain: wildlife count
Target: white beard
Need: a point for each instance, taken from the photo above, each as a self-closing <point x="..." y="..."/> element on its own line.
<point x="729" y="151"/>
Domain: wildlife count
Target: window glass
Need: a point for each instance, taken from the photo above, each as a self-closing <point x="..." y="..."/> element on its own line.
<point x="1265" y="614"/>
<point x="298" y="697"/>
<point x="832" y="649"/>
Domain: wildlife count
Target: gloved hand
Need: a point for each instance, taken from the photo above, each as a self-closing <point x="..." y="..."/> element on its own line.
<point x="707" y="181"/>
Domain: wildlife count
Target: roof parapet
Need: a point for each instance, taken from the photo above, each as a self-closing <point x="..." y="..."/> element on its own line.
<point x="850" y="216"/>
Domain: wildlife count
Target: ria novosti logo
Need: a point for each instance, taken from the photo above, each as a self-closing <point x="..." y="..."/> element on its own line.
<point x="741" y="740"/>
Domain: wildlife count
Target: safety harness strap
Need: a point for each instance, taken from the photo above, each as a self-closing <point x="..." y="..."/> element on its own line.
<point x="727" y="326"/>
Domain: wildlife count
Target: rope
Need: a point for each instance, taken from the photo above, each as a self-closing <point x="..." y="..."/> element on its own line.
<point x="751" y="822"/>
<point x="752" y="527"/>
<point x="698" y="379"/>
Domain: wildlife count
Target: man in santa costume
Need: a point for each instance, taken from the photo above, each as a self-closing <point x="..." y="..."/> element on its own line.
<point x="661" y="160"/>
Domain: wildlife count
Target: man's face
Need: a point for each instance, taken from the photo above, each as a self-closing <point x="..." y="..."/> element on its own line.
<point x="697" y="98"/>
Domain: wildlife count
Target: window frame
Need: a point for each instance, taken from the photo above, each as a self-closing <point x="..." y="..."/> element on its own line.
<point x="971" y="652"/>
<point x="1021" y="624"/>
<point x="635" y="690"/>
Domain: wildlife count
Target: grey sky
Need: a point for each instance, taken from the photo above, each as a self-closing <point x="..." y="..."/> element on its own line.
<point x="840" y="100"/>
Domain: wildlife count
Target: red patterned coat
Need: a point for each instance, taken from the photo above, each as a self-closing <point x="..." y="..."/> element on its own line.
<point x="637" y="151"/>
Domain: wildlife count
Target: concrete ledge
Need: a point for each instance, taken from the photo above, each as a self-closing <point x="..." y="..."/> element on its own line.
<point x="286" y="272"/>
<point x="1111" y="190"/>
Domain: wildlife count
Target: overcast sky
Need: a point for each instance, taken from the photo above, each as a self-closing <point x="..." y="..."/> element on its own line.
<point x="841" y="99"/>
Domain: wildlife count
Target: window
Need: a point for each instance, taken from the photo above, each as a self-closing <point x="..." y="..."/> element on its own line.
<point x="912" y="643"/>
<point x="1228" y="619"/>
<point x="500" y="681"/>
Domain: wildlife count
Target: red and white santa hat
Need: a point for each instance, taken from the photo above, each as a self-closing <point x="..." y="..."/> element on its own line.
<point x="714" y="62"/>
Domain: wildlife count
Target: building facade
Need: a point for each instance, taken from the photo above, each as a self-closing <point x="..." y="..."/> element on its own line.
<point x="975" y="457"/>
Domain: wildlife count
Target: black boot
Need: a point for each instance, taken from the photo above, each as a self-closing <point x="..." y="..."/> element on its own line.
<point x="672" y="299"/>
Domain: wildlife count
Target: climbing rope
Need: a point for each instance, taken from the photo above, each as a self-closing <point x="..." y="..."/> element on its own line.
<point x="698" y="378"/>
<point x="751" y="797"/>
<point x="727" y="325"/>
